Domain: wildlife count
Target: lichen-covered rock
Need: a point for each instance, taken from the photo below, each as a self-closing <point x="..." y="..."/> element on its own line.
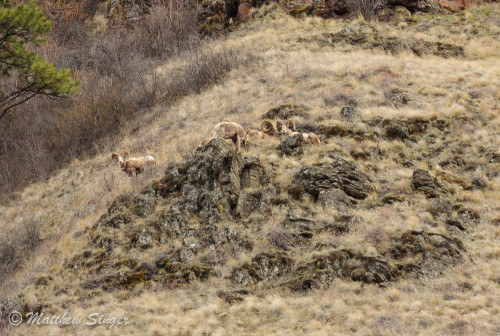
<point x="424" y="182"/>
<point x="253" y="174"/>
<point x="217" y="166"/>
<point x="441" y="209"/>
<point x="172" y="181"/>
<point x="248" y="203"/>
<point x="426" y="253"/>
<point x="337" y="199"/>
<point x="171" y="224"/>
<point x="218" y="236"/>
<point x="292" y="146"/>
<point x="213" y="180"/>
<point x="339" y="175"/>
<point x="145" y="203"/>
<point x="145" y="239"/>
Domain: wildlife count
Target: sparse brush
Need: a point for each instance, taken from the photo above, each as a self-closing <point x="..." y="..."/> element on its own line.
<point x="368" y="8"/>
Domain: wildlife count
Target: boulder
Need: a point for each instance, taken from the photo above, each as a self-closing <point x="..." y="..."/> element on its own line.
<point x="253" y="174"/>
<point x="338" y="175"/>
<point x="292" y="146"/>
<point x="424" y="182"/>
<point x="337" y="199"/>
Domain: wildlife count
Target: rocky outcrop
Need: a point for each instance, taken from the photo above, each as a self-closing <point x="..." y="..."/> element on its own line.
<point x="423" y="253"/>
<point x="338" y="175"/>
<point x="324" y="269"/>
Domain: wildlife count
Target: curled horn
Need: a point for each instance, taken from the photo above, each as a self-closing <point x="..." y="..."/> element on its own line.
<point x="268" y="127"/>
<point x="125" y="153"/>
<point x="290" y="124"/>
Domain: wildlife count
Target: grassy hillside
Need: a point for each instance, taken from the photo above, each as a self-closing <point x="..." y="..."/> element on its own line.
<point x="414" y="258"/>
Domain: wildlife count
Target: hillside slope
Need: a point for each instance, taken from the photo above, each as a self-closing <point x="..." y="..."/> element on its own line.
<point x="390" y="226"/>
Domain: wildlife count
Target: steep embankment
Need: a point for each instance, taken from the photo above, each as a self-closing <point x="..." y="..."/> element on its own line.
<point x="390" y="226"/>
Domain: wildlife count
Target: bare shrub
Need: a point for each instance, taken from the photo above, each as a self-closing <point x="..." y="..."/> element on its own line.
<point x="117" y="70"/>
<point x="368" y="8"/>
<point x="170" y="29"/>
<point x="17" y="244"/>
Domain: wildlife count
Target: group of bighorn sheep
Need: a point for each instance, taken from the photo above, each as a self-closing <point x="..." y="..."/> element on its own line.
<point x="224" y="130"/>
<point x="236" y="132"/>
<point x="133" y="165"/>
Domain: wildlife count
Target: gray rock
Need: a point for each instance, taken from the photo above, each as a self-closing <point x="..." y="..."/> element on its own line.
<point x="292" y="146"/>
<point x="349" y="112"/>
<point x="338" y="175"/>
<point x="424" y="182"/>
<point x="145" y="239"/>
<point x="336" y="198"/>
<point x="248" y="203"/>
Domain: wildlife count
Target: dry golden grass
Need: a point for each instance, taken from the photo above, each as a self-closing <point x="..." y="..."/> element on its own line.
<point x="296" y="65"/>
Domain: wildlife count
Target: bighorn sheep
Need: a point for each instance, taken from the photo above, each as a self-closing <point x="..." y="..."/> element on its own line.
<point x="231" y="130"/>
<point x="288" y="128"/>
<point x="120" y="157"/>
<point x="267" y="130"/>
<point x="137" y="164"/>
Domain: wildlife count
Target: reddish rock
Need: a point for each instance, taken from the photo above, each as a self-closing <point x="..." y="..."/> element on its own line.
<point x="244" y="12"/>
<point x="453" y="6"/>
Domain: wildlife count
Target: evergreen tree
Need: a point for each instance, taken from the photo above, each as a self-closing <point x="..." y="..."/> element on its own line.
<point x="23" y="73"/>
